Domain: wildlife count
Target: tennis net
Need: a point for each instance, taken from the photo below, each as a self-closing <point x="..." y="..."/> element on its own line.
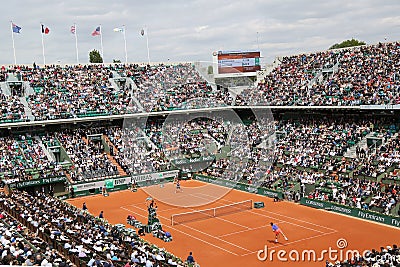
<point x="211" y="213"/>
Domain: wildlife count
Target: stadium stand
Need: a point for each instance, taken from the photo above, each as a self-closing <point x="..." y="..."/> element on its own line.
<point x="79" y="235"/>
<point x="337" y="155"/>
<point x="354" y="76"/>
<point x="385" y="256"/>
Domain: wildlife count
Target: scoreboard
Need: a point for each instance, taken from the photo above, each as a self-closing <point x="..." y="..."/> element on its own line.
<point x="238" y="61"/>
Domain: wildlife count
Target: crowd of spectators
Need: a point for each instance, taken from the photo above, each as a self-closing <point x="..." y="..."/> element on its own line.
<point x="22" y="158"/>
<point x="74" y="91"/>
<point x="363" y="75"/>
<point x="357" y="193"/>
<point x="21" y="246"/>
<point x="12" y="110"/>
<point x="308" y="150"/>
<point x="167" y="87"/>
<point x="135" y="152"/>
<point x="385" y="256"/>
<point x="311" y="142"/>
<point x="89" y="158"/>
<point x="91" y="239"/>
<point x="12" y="164"/>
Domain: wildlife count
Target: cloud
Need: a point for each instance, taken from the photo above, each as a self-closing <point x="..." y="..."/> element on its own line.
<point x="190" y="30"/>
<point x="201" y="28"/>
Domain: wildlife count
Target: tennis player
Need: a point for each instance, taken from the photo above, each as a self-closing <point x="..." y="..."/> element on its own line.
<point x="178" y="186"/>
<point x="276" y="230"/>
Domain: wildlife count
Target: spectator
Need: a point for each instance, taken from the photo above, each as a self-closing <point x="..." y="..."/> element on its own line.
<point x="190" y="258"/>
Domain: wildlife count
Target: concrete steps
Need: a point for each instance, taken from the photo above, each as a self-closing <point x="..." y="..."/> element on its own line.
<point x="49" y="156"/>
<point x="69" y="177"/>
<point x="5" y="89"/>
<point x="27" y="109"/>
<point x="351" y="152"/>
<point x="121" y="171"/>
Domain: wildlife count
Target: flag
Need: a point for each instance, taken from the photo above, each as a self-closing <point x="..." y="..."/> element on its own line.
<point x="45" y="30"/>
<point x="16" y="28"/>
<point x="96" y="31"/>
<point x="73" y="29"/>
<point x="119" y="29"/>
<point x="142" y="32"/>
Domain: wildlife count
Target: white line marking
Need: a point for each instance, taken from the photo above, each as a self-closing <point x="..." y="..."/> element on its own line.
<point x="288" y="243"/>
<point x="238" y="232"/>
<point x="194" y="229"/>
<point x="248" y="228"/>
<point x="211" y="244"/>
<point x="252" y="194"/>
<point x="258" y="213"/>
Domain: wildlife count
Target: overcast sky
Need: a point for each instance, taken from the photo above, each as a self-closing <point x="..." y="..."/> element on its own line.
<point x="185" y="30"/>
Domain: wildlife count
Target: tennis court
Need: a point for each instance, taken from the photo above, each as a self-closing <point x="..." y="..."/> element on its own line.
<point x="234" y="237"/>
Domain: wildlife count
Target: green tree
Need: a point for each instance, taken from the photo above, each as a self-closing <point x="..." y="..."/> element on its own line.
<point x="347" y="43"/>
<point x="116" y="61"/>
<point x="95" y="57"/>
<point x="210" y="70"/>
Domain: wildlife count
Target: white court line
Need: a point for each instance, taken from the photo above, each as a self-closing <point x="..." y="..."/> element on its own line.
<point x="211" y="244"/>
<point x="243" y="226"/>
<point x="249" y="229"/>
<point x="258" y="213"/>
<point x="298" y="225"/>
<point x="238" y="232"/>
<point x="289" y="243"/>
<point x="219" y="218"/>
<point x="194" y="229"/>
<point x="252" y="194"/>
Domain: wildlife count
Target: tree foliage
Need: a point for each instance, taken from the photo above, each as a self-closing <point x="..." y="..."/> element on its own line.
<point x="347" y="43"/>
<point x="210" y="70"/>
<point x="95" y="57"/>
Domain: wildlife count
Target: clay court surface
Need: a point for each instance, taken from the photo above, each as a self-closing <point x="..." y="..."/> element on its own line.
<point x="234" y="239"/>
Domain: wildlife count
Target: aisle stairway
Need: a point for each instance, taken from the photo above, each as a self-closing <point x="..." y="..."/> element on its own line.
<point x="351" y="152"/>
<point x="69" y="177"/>
<point x="27" y="109"/>
<point x="5" y="89"/>
<point x="121" y="171"/>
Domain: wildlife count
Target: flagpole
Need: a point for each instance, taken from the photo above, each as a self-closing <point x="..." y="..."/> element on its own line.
<point x="12" y="37"/>
<point x="42" y="29"/>
<point x="76" y="45"/>
<point x="126" y="53"/>
<point x="147" y="43"/>
<point x="101" y="43"/>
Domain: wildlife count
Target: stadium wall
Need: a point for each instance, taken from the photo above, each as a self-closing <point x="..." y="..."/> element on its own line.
<point x="239" y="186"/>
<point x="354" y="212"/>
<point x="122" y="183"/>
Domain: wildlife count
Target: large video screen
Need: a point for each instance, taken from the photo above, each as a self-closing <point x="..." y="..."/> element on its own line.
<point x="238" y="61"/>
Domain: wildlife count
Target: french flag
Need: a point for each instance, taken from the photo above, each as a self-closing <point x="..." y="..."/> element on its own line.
<point x="45" y="30"/>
